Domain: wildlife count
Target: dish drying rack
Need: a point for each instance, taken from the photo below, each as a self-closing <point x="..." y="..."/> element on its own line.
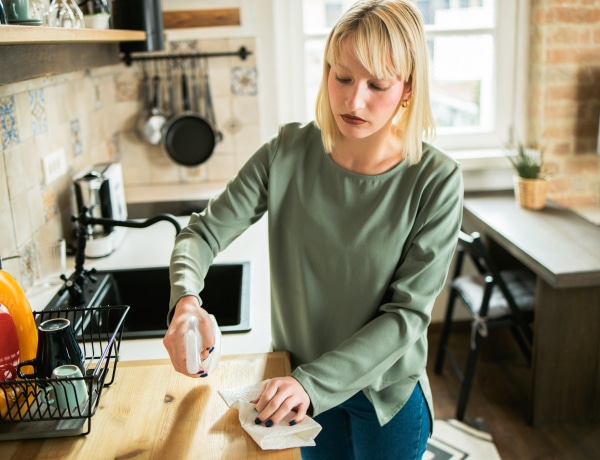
<point x="98" y="331"/>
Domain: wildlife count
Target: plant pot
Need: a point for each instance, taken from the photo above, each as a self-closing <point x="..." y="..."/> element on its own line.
<point x="531" y="193"/>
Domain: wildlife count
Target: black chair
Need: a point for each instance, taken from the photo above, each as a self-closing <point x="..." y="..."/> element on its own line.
<point x="495" y="299"/>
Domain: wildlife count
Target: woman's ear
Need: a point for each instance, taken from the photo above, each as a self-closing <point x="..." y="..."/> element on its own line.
<point x="407" y="93"/>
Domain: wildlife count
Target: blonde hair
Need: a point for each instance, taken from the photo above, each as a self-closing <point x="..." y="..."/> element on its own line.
<point x="388" y="40"/>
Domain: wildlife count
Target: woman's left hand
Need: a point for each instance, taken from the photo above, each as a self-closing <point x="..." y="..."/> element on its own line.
<point x="278" y="398"/>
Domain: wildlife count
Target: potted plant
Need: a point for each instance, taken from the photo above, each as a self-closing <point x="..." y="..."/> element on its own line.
<point x="531" y="185"/>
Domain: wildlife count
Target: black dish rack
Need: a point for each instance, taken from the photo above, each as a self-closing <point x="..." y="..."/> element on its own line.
<point x="27" y="416"/>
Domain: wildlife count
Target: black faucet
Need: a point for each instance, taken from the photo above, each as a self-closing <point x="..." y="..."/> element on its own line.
<point x="75" y="284"/>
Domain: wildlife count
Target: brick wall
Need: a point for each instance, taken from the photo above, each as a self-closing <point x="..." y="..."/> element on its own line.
<point x="564" y="103"/>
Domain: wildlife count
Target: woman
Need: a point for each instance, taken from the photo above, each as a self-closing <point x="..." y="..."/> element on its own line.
<point x="363" y="218"/>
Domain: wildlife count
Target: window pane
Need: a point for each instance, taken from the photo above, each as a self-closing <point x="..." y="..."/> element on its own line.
<point x="462" y="60"/>
<point x="313" y="69"/>
<point x="455" y="14"/>
<point x="461" y="80"/>
<point x="321" y="15"/>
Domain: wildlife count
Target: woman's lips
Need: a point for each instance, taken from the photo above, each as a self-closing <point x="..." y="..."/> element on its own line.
<point x="351" y="120"/>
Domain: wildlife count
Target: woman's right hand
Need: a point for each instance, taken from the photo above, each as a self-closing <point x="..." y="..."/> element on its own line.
<point x="174" y="339"/>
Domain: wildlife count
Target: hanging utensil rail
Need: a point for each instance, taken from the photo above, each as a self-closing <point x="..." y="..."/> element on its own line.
<point x="128" y="58"/>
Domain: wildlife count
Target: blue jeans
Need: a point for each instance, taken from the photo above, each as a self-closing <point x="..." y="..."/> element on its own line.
<point x="351" y="431"/>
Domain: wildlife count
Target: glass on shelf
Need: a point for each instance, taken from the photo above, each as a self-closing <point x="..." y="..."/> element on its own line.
<point x="77" y="13"/>
<point x="65" y="13"/>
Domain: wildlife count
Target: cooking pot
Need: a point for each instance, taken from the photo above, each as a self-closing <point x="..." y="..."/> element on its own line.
<point x="189" y="139"/>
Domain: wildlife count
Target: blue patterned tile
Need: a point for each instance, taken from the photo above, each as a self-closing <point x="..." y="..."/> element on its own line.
<point x="37" y="105"/>
<point x="8" y="122"/>
<point x="244" y="81"/>
<point x="76" y="137"/>
<point x="49" y="203"/>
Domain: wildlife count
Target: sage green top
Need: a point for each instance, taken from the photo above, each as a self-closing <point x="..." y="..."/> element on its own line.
<point x="356" y="262"/>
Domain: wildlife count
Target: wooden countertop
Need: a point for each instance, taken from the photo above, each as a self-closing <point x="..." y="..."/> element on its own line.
<point x="556" y="243"/>
<point x="150" y="411"/>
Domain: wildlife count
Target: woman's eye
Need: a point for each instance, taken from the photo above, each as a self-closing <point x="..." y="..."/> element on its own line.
<point x="378" y="87"/>
<point x="342" y="79"/>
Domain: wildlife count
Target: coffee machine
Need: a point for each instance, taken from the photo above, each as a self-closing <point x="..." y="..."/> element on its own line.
<point x="100" y="188"/>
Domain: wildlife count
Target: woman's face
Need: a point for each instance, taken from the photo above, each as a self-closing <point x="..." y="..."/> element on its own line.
<point x="361" y="104"/>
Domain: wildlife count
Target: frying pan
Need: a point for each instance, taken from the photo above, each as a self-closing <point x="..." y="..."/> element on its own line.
<point x="189" y="139"/>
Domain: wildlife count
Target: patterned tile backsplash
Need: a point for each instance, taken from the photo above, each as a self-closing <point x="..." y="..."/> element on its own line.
<point x="244" y="81"/>
<point x="92" y="114"/>
<point x="38" y="111"/>
<point x="10" y="133"/>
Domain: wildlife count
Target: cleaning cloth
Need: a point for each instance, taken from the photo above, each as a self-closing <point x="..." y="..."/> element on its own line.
<point x="280" y="436"/>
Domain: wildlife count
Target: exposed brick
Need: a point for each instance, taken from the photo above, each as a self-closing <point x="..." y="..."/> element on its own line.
<point x="559" y="92"/>
<point x="564" y="91"/>
<point x="564" y="36"/>
<point x="560" y="110"/>
<point x="575" y="15"/>
<point x="559" y="184"/>
<point x="541" y="16"/>
<point x="571" y="55"/>
<point x="561" y="148"/>
<point x="583" y="164"/>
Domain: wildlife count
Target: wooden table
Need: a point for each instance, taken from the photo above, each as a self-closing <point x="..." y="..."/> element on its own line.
<point x="563" y="250"/>
<point x="150" y="411"/>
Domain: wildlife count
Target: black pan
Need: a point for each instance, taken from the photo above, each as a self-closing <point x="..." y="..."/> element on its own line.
<point x="189" y="139"/>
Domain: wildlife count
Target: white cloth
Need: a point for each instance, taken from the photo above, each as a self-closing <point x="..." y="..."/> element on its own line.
<point x="280" y="436"/>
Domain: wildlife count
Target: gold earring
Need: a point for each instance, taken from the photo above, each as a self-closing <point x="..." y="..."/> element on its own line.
<point x="404" y="103"/>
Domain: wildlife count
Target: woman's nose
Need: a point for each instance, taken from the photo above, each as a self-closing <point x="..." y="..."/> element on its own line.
<point x="356" y="97"/>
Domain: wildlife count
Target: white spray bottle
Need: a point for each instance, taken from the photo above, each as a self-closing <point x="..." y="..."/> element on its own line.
<point x="194" y="346"/>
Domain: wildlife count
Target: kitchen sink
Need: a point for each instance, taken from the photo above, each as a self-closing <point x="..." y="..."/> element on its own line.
<point x="146" y="291"/>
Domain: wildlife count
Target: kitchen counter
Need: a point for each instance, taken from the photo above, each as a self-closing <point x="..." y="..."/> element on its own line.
<point x="150" y="411"/>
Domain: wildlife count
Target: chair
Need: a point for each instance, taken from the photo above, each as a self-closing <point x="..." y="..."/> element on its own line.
<point x="495" y="299"/>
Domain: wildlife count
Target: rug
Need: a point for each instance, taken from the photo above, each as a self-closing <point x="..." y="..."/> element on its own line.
<point x="453" y="440"/>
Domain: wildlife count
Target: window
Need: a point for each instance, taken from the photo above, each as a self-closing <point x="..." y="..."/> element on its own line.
<point x="472" y="49"/>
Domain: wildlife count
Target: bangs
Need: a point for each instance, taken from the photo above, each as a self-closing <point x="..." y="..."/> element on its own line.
<point x="373" y="48"/>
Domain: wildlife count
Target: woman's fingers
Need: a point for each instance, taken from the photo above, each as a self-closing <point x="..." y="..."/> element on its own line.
<point x="279" y="398"/>
<point x="174" y="339"/>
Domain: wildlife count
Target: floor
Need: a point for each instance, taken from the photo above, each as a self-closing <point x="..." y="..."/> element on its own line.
<point x="498" y="403"/>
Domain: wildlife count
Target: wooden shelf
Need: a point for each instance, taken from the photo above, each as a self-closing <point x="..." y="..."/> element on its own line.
<point x="37" y="35"/>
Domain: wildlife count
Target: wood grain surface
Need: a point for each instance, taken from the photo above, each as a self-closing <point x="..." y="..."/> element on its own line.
<point x="183" y="19"/>
<point x="150" y="411"/>
<point x="19" y="35"/>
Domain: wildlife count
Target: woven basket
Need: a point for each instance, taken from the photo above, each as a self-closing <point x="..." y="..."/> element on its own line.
<point x="531" y="193"/>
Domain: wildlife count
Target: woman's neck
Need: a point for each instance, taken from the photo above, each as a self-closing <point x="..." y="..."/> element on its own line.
<point x="370" y="156"/>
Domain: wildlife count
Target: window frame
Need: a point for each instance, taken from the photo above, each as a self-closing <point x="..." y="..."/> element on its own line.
<point x="510" y="41"/>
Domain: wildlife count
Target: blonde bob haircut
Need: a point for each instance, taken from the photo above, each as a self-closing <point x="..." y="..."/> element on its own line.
<point x="389" y="41"/>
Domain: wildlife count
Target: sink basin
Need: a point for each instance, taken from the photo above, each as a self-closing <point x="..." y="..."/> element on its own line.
<point x="146" y="291"/>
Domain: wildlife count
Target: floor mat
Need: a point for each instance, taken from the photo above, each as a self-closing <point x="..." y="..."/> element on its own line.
<point x="453" y="440"/>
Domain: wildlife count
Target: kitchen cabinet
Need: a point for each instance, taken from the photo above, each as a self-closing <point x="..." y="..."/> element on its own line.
<point x="151" y="411"/>
<point x="28" y="52"/>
